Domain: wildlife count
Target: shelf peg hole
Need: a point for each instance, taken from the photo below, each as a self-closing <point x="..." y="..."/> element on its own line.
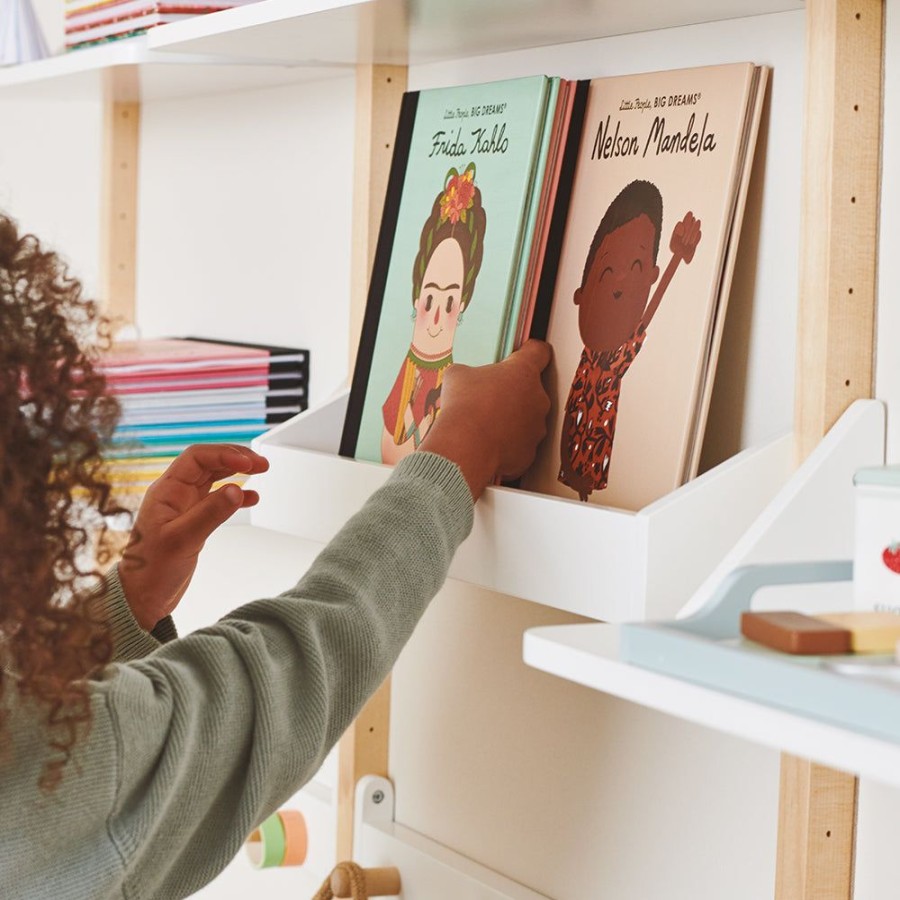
<point x="858" y="16"/>
<point x="855" y="107"/>
<point x="853" y="199"/>
<point x="846" y="384"/>
<point x="828" y="833"/>
<point x="849" y="290"/>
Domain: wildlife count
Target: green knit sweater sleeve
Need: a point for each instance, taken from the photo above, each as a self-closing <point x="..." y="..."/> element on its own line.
<point x="214" y="731"/>
<point x="130" y="641"/>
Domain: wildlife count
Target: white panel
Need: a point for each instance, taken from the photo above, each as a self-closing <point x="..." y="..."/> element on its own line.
<point x="811" y="518"/>
<point x="577" y="795"/>
<point x="244" y="212"/>
<point x="49" y="153"/>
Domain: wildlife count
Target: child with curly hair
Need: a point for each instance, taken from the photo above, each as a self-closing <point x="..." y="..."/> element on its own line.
<point x="148" y="742"/>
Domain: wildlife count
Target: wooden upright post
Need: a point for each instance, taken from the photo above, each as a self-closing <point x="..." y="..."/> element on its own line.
<point x="839" y="212"/>
<point x="363" y="749"/>
<point x="118" y="240"/>
<point x="379" y="90"/>
<point x="839" y="227"/>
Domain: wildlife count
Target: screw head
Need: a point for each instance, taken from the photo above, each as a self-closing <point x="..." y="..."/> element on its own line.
<point x="378" y="797"/>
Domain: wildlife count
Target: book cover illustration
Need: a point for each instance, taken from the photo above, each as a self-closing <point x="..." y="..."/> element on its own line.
<point x="453" y="233"/>
<point x="640" y="276"/>
<point x="451" y="248"/>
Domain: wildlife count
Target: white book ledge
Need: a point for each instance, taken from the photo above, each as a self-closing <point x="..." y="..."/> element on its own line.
<point x="598" y="562"/>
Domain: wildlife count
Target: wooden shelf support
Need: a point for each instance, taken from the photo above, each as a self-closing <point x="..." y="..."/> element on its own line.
<point x="379" y="90"/>
<point x="836" y="316"/>
<point x="839" y="213"/>
<point x="118" y="238"/>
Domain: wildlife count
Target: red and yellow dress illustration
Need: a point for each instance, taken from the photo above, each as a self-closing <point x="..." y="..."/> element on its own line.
<point x="415" y="397"/>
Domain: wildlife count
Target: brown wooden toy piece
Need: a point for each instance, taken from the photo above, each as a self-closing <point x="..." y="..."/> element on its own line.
<point x="380" y="882"/>
<point x="793" y="632"/>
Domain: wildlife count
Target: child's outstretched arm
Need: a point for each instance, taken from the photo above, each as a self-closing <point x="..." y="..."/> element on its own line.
<point x="685" y="238"/>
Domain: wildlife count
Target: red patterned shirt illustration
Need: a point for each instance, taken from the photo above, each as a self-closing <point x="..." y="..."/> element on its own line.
<point x="589" y="425"/>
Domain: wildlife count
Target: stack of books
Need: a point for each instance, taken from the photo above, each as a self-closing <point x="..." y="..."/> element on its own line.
<point x="90" y="22"/>
<point x="182" y="391"/>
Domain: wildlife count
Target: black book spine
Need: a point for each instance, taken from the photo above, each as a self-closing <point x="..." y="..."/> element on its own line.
<point x="377" y="284"/>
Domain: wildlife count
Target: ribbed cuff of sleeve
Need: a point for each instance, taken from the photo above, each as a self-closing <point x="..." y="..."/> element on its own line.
<point x="165" y="630"/>
<point x="130" y="641"/>
<point x="447" y="477"/>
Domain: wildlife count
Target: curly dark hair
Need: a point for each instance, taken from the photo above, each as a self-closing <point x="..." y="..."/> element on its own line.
<point x="55" y="416"/>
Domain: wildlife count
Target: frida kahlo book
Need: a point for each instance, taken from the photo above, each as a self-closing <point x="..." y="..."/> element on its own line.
<point x="467" y="194"/>
<point x="651" y="231"/>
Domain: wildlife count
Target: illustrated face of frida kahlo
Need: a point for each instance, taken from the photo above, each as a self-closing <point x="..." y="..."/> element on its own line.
<point x="439" y="302"/>
<point x="617" y="285"/>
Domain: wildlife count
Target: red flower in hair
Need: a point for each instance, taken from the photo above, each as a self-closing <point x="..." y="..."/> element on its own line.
<point x="458" y="197"/>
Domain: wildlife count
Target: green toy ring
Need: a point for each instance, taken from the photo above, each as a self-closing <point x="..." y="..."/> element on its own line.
<point x="266" y="846"/>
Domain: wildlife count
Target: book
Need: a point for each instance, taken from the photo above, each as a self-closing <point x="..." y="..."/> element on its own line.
<point x="91" y="22"/>
<point x="175" y="392"/>
<point x="287" y="384"/>
<point x="653" y="219"/>
<point x="155" y="356"/>
<point x="113" y="28"/>
<point x="456" y="234"/>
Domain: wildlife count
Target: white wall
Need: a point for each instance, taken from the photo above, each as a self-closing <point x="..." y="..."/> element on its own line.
<point x="244" y="211"/>
<point x="50" y="176"/>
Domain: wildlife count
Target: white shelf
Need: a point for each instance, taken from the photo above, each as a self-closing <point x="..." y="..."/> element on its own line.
<point x="403" y="32"/>
<point x="134" y="71"/>
<point x="589" y="655"/>
<point x="275" y="42"/>
<point x="598" y="562"/>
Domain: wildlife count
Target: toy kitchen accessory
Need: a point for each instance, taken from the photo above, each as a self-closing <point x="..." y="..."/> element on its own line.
<point x="876" y="561"/>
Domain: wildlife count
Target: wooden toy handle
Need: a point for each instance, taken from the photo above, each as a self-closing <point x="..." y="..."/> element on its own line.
<point x="383" y="882"/>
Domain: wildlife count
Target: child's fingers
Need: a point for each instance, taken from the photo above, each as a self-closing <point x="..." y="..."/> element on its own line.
<point x="189" y="531"/>
<point x="202" y="462"/>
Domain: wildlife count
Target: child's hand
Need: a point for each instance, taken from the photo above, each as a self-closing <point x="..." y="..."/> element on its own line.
<point x="176" y="517"/>
<point x="493" y="417"/>
<point x="685" y="238"/>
